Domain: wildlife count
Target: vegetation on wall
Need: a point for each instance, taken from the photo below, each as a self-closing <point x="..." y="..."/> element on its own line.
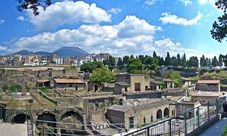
<point x="174" y="75"/>
<point x="12" y="88"/>
<point x="44" y="89"/>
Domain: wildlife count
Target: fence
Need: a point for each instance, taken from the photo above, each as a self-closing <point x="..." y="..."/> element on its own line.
<point x="189" y="123"/>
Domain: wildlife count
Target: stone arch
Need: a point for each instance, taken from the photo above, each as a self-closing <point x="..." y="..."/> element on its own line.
<point x="46" y="118"/>
<point x="12" y="113"/>
<point x="72" y="114"/>
<point x="20" y="118"/>
<point x="166" y="112"/>
<point x="73" y="118"/>
<point x="159" y="114"/>
<point x="2" y="111"/>
<point x="80" y="111"/>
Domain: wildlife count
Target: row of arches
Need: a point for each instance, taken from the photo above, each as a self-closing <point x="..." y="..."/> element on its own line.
<point x="69" y="119"/>
<point x="160" y="115"/>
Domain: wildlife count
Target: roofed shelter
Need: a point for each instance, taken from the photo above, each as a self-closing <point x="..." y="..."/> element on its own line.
<point x="121" y="87"/>
<point x="169" y="83"/>
<point x="76" y="84"/>
<point x="43" y="82"/>
<point x="208" y="85"/>
<point x="155" y="85"/>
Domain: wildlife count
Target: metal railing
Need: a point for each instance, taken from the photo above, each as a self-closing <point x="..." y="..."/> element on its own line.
<point x="184" y="124"/>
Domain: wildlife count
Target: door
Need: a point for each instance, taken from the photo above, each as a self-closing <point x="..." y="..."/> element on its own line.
<point x="137" y="86"/>
<point x="131" y="122"/>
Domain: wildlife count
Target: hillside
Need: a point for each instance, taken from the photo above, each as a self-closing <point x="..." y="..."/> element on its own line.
<point x="62" y="52"/>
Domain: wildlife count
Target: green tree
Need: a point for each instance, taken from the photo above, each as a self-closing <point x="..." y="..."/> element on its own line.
<point x="120" y="64"/>
<point x="102" y="75"/>
<point x="90" y="66"/>
<point x="168" y="60"/>
<point x="174" y="75"/>
<point x="15" y="88"/>
<point x="5" y="88"/>
<point x="178" y="60"/>
<point x="214" y="61"/>
<point x="202" y="61"/>
<point x="33" y="4"/>
<point x="125" y="59"/>
<point x="155" y="55"/>
<point x="142" y="58"/>
<point x="135" y="66"/>
<point x="27" y="88"/>
<point x="219" y="29"/>
<point x="220" y="61"/>
<point x="184" y="60"/>
<point x="193" y="62"/>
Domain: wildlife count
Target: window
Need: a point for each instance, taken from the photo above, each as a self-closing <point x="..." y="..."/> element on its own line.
<point x="151" y="118"/>
<point x="144" y="119"/>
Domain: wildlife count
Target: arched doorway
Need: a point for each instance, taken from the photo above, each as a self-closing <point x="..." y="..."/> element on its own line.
<point x="159" y="114"/>
<point x="166" y="112"/>
<point x="20" y="118"/>
<point x="48" y="120"/>
<point x="72" y="123"/>
<point x="2" y="112"/>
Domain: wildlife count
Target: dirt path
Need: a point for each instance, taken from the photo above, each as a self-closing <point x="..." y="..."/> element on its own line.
<point x="8" y="129"/>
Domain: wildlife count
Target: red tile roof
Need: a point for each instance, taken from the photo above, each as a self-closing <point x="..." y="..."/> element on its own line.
<point x="78" y="81"/>
<point x="208" y="81"/>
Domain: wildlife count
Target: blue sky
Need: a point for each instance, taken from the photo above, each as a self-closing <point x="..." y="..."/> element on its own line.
<point x="118" y="27"/>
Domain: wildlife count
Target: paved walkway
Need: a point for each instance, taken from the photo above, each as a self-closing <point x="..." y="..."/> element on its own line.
<point x="216" y="129"/>
<point x="8" y="129"/>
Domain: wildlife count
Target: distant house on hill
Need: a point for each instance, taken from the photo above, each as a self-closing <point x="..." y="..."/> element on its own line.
<point x="208" y="85"/>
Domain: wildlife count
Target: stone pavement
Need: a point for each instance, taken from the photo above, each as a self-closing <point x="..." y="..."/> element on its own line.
<point x="8" y="129"/>
<point x="215" y="129"/>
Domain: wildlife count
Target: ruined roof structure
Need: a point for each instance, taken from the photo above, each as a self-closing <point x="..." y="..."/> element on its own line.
<point x="208" y="81"/>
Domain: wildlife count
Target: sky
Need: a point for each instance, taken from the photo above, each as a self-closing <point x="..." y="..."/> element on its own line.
<point x="118" y="27"/>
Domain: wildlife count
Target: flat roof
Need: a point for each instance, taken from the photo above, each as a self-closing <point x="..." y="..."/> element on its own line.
<point x="122" y="108"/>
<point x="74" y="81"/>
<point x="168" y="80"/>
<point x="43" y="80"/>
<point x="208" y="81"/>
<point x="155" y="82"/>
<point x="123" y="84"/>
<point x="211" y="94"/>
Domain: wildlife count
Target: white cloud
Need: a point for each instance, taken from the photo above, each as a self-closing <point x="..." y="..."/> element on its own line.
<point x="115" y="10"/>
<point x="202" y="2"/>
<point x="2" y="21"/>
<point x="167" y="45"/>
<point x="21" y="18"/>
<point x="3" y="48"/>
<point x="125" y="38"/>
<point x="68" y="12"/>
<point x="167" y="18"/>
<point x="150" y="2"/>
<point x="186" y="2"/>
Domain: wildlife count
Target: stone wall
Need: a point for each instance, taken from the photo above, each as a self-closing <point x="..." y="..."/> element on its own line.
<point x="143" y="95"/>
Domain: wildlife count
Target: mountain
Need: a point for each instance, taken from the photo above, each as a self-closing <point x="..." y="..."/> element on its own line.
<point x="70" y="51"/>
<point x="42" y="53"/>
<point x="62" y="52"/>
<point x="24" y="52"/>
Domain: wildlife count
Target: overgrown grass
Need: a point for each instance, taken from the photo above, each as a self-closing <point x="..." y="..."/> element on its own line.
<point x="35" y="105"/>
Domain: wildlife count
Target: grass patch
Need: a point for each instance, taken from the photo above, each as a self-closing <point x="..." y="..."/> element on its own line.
<point x="35" y="105"/>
